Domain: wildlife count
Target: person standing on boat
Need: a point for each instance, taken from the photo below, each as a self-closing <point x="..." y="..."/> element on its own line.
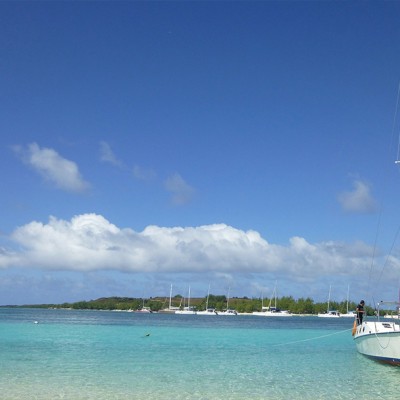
<point x="360" y="312"/>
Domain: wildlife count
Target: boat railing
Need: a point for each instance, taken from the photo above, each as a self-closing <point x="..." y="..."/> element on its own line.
<point x="388" y="303"/>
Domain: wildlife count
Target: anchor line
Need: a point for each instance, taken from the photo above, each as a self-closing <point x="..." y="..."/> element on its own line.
<point x="309" y="339"/>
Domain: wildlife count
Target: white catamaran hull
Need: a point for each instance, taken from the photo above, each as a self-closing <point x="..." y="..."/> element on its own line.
<point x="379" y="341"/>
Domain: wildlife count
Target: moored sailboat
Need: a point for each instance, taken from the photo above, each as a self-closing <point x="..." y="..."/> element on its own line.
<point x="271" y="311"/>
<point x="187" y="310"/>
<point x="329" y="313"/>
<point x="228" y="311"/>
<point x="171" y="308"/>
<point x="380" y="339"/>
<point x="208" y="310"/>
<point x="349" y="314"/>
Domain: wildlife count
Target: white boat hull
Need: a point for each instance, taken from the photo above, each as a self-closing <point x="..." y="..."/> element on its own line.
<point x="350" y="314"/>
<point x="209" y="311"/>
<point x="272" y="314"/>
<point x="228" y="312"/>
<point x="330" y="314"/>
<point x="186" y="312"/>
<point x="379" y="341"/>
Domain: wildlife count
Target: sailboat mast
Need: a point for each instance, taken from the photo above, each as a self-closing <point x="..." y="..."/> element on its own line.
<point x="329" y="297"/>
<point x="262" y="300"/>
<point x="208" y="295"/>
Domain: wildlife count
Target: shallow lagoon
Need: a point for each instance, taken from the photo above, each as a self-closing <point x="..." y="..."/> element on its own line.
<point x="108" y="355"/>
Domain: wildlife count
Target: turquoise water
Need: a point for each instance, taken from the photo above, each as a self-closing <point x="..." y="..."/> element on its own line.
<point x="107" y="355"/>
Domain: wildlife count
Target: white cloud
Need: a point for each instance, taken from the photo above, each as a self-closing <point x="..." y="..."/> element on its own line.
<point x="182" y="193"/>
<point x="359" y="200"/>
<point x="61" y="172"/>
<point x="143" y="173"/>
<point x="107" y="155"/>
<point x="89" y="243"/>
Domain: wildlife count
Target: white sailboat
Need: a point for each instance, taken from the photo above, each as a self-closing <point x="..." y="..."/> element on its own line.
<point x="228" y="310"/>
<point x="329" y="313"/>
<point x="171" y="308"/>
<point x="380" y="339"/>
<point x="188" y="310"/>
<point x="144" y="309"/>
<point x="272" y="311"/>
<point x="208" y="311"/>
<point x="349" y="314"/>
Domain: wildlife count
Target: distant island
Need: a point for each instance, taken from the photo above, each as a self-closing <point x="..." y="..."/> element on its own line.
<point x="219" y="302"/>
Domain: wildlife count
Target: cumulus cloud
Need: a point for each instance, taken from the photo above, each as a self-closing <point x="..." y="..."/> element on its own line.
<point x="107" y="155"/>
<point x="89" y="242"/>
<point x="358" y="200"/>
<point x="182" y="193"/>
<point x="57" y="170"/>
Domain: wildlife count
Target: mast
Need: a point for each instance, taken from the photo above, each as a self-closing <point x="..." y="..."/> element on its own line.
<point x="262" y="300"/>
<point x="329" y="297"/>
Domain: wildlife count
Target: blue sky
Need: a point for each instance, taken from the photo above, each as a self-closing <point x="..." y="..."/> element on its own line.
<point x="236" y="144"/>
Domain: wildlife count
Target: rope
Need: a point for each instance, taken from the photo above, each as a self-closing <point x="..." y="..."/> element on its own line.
<point x="377" y="338"/>
<point x="373" y="260"/>
<point x="394" y="123"/>
<point x="309" y="339"/>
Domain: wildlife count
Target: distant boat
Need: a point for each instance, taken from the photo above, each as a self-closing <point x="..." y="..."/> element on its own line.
<point x="349" y="314"/>
<point x="208" y="311"/>
<point x="228" y="311"/>
<point x="170" y="309"/>
<point x="379" y="340"/>
<point x="188" y="310"/>
<point x="391" y="316"/>
<point x="272" y="311"/>
<point x="144" y="309"/>
<point x="329" y="313"/>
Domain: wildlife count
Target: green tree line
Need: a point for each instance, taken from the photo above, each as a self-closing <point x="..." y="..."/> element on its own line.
<point x="219" y="302"/>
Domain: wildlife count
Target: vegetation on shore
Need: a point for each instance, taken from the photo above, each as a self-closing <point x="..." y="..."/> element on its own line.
<point x="242" y="305"/>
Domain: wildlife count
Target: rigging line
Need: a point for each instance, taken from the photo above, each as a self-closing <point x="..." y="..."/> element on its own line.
<point x="374" y="251"/>
<point x="381" y="206"/>
<point x="394" y="124"/>
<point x="390" y="252"/>
<point x="309" y="339"/>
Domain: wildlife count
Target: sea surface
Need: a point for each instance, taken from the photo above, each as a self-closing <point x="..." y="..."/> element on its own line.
<point x="101" y="355"/>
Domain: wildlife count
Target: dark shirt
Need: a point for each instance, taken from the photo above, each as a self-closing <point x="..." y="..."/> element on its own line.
<point x="360" y="313"/>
